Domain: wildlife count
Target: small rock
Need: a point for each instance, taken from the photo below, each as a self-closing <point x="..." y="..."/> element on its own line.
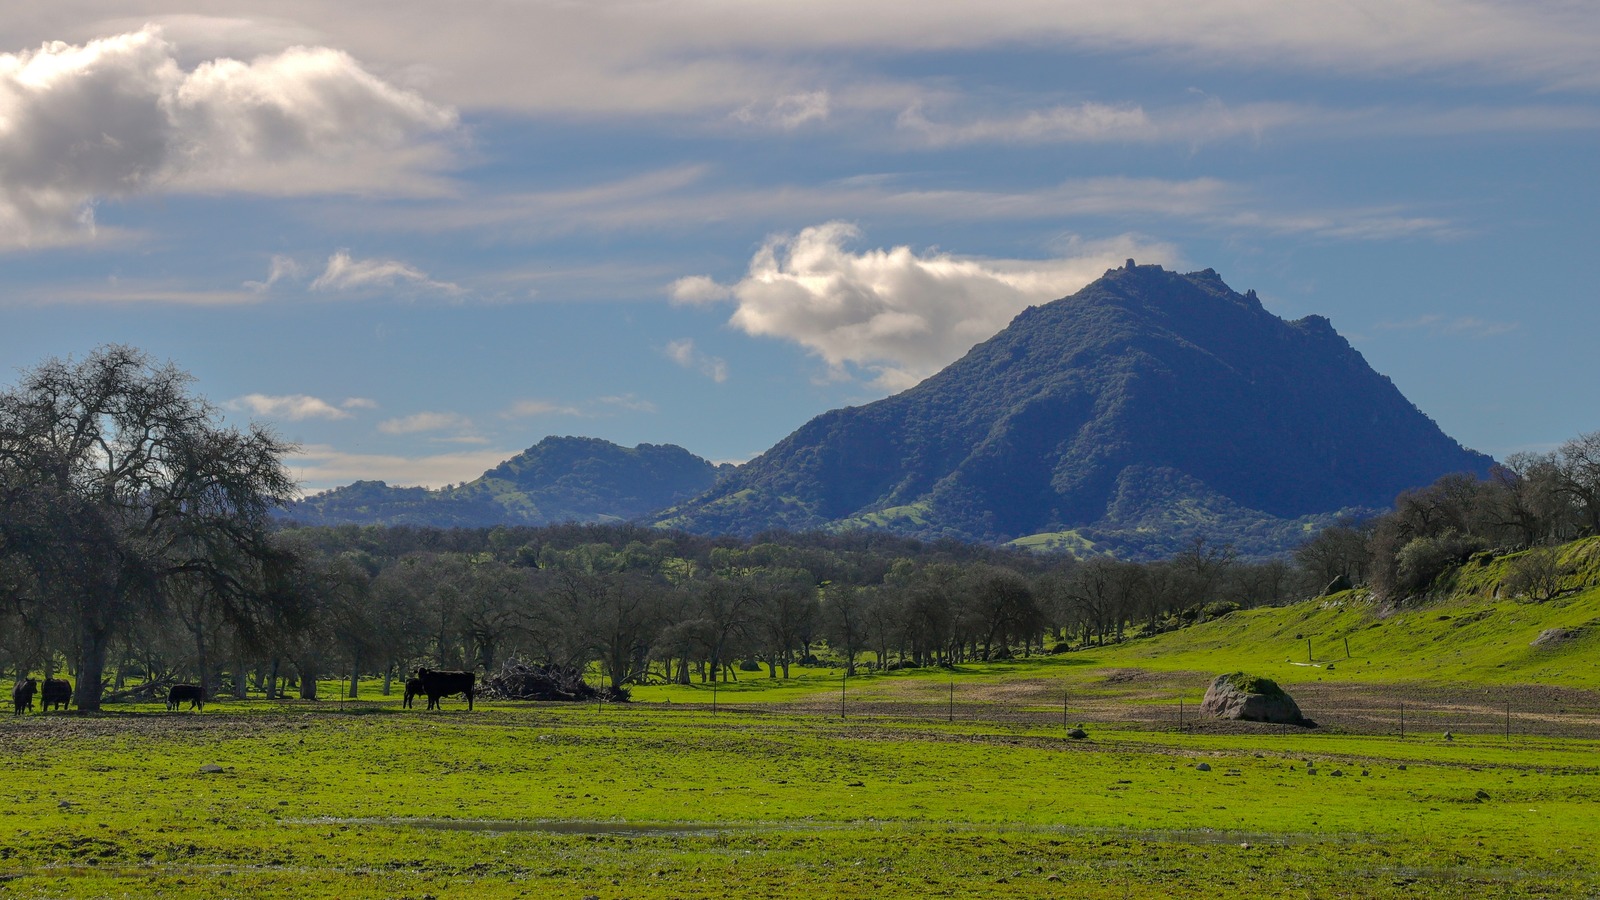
<point x="1481" y="795"/>
<point x="1311" y="770"/>
<point x="1203" y="767"/>
<point x="1053" y="878"/>
<point x="1365" y="773"/>
<point x="1336" y="773"/>
<point x="65" y="804"/>
<point x="211" y="769"/>
<point x="1402" y="768"/>
<point x="1244" y="845"/>
<point x="1260" y="755"/>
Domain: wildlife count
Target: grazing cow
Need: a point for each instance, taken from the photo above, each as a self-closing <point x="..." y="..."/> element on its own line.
<point x="55" y="692"/>
<point x="194" y="693"/>
<point x="22" y="695"/>
<point x="413" y="690"/>
<point x="442" y="684"/>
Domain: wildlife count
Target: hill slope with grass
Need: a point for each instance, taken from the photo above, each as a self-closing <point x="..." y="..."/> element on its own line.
<point x="1149" y="407"/>
<point x="1474" y="632"/>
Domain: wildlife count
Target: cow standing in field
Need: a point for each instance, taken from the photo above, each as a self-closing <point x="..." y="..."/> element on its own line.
<point x="442" y="684"/>
<point x="194" y="693"/>
<point x="413" y="690"/>
<point x="55" y="693"/>
<point x="22" y="696"/>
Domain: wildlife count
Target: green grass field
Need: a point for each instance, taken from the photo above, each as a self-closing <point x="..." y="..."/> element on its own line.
<point x="932" y="783"/>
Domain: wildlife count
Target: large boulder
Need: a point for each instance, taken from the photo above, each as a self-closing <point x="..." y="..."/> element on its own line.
<point x="1240" y="696"/>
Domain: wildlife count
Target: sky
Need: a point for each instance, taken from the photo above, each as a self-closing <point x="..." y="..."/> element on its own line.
<point x="418" y="237"/>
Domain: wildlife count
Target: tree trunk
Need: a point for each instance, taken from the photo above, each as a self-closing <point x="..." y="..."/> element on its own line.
<point x="93" y="644"/>
<point x="355" y="676"/>
<point x="272" y="680"/>
<point x="241" y="683"/>
<point x="388" y="679"/>
<point x="306" y="671"/>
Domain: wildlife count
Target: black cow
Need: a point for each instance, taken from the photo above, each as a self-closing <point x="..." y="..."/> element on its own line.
<point x="194" y="693"/>
<point x="22" y="695"/>
<point x="55" y="692"/>
<point x="413" y="690"/>
<point x="442" y="684"/>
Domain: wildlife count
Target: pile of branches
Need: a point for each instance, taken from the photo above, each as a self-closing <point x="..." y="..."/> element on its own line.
<point x="519" y="681"/>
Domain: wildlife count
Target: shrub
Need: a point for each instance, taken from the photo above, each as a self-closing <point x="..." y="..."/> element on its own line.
<point x="1421" y="561"/>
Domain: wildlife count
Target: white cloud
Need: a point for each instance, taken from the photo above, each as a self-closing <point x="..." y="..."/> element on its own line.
<point x="319" y="467"/>
<point x="359" y="403"/>
<point x="684" y="352"/>
<point x="294" y="407"/>
<point x="346" y="273"/>
<point x="281" y="267"/>
<point x="1436" y="324"/>
<point x="895" y="313"/>
<point x="629" y="403"/>
<point x="788" y="112"/>
<point x="525" y="409"/>
<point x="118" y="117"/>
<point x="417" y="423"/>
<point x="710" y="56"/>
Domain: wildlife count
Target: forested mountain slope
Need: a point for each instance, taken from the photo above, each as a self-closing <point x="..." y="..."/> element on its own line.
<point x="559" y="479"/>
<point x="1147" y="407"/>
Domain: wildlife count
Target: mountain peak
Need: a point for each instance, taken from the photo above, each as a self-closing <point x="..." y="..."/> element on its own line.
<point x="1145" y="373"/>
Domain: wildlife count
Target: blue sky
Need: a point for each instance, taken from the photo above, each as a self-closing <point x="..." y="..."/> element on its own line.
<point x="419" y="237"/>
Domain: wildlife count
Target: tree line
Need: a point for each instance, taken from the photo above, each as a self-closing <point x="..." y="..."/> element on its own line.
<point x="138" y="546"/>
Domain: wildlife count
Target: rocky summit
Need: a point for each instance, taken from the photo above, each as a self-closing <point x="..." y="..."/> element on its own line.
<point x="1144" y="410"/>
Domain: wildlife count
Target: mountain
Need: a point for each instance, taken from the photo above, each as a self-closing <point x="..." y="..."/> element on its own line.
<point x="559" y="479"/>
<point x="1147" y="408"/>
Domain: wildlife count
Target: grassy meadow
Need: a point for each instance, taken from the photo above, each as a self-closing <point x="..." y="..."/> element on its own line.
<point x="931" y="783"/>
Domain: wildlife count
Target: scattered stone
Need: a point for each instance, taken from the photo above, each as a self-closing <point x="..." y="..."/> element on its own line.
<point x="1365" y="773"/>
<point x="1260" y="755"/>
<point x="1328" y="667"/>
<point x="211" y="769"/>
<point x="1052" y="878"/>
<point x="1203" y="767"/>
<point x="1402" y="768"/>
<point x="1481" y="795"/>
<point x="1077" y="734"/>
<point x="1336" y="773"/>
<point x="1244" y="845"/>
<point x="1311" y="770"/>
<point x="65" y="804"/>
<point x="1251" y="698"/>
<point x="1554" y="637"/>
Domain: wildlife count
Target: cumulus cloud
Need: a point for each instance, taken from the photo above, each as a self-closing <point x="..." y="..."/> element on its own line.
<point x="346" y="273"/>
<point x="417" y="423"/>
<point x="895" y="313"/>
<point x="118" y="117"/>
<point x="686" y="354"/>
<point x="297" y="407"/>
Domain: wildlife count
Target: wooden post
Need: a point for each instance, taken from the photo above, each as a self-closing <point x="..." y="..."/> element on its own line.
<point x="1508" y="720"/>
<point x="842" y="680"/>
<point x="1063" y="710"/>
<point x="1308" y="651"/>
<point x="1346" y="648"/>
<point x="1180" y="713"/>
<point x="952" y="700"/>
<point x="1402" y="721"/>
<point x="713" y="697"/>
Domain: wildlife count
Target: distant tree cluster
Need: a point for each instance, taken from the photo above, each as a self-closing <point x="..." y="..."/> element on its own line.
<point x="1532" y="501"/>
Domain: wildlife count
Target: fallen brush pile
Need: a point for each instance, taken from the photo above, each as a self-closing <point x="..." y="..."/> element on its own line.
<point x="519" y="681"/>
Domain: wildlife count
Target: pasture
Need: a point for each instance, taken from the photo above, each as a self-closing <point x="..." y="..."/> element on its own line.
<point x="912" y="792"/>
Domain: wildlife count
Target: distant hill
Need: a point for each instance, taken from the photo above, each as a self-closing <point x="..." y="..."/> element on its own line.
<point x="560" y="479"/>
<point x="1147" y="408"/>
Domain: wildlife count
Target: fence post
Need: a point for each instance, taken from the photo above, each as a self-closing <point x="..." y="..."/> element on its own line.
<point x="952" y="700"/>
<point x="842" y="680"/>
<point x="1402" y="721"/>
